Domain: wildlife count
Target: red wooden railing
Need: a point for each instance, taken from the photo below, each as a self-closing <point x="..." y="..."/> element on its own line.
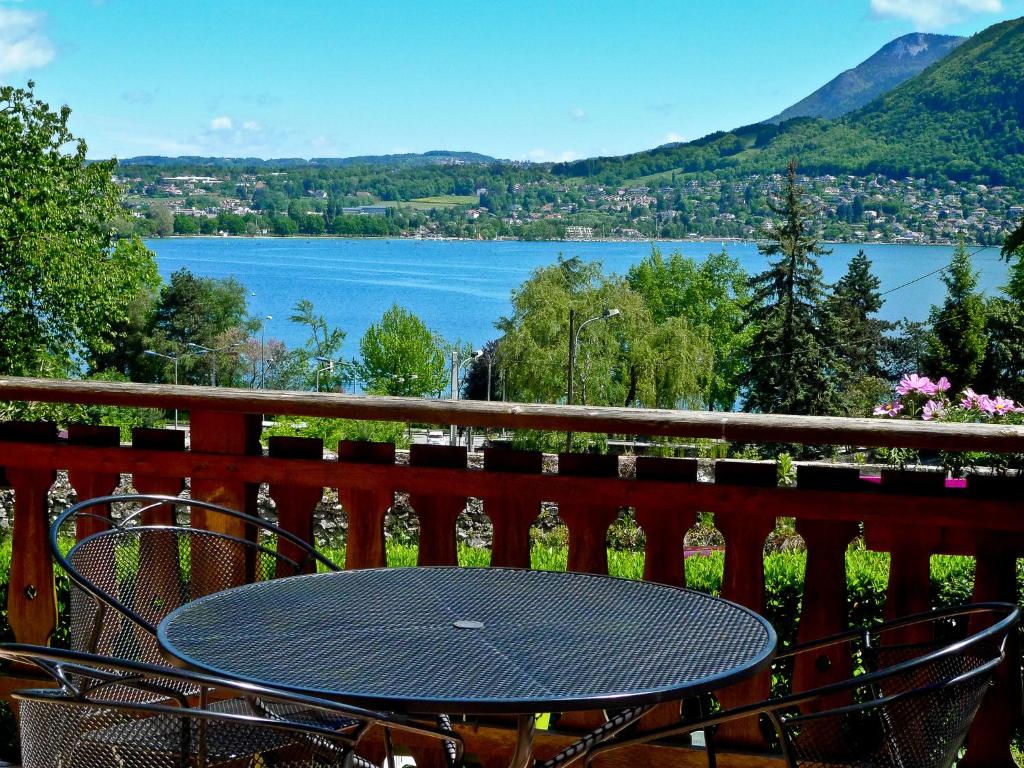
<point x="911" y="515"/>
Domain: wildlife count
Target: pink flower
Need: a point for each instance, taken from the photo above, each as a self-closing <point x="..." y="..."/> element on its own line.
<point x="986" y="404"/>
<point x="912" y="383"/>
<point x="932" y="410"/>
<point x="942" y="384"/>
<point x="889" y="409"/>
<point x="1001" y="406"/>
<point x="971" y="399"/>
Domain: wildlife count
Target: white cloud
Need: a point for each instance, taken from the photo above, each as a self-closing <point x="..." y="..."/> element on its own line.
<point x="672" y="137"/>
<point x="577" y="114"/>
<point x="544" y="156"/>
<point x="23" y="44"/>
<point x="933" y="14"/>
<point x="221" y="124"/>
<point x="251" y="125"/>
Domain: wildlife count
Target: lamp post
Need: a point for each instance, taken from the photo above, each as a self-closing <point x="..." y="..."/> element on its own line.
<point x="574" y="339"/>
<point x="174" y="359"/>
<point x="456" y="365"/>
<point x="328" y="366"/>
<point x="204" y="350"/>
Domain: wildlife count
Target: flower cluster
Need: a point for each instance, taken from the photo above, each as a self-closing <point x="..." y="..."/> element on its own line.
<point x="920" y="396"/>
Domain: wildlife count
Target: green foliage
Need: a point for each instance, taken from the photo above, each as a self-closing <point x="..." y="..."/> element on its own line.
<point x="64" y="281"/>
<point x="957" y="343"/>
<point x="322" y="350"/>
<point x="332" y="431"/>
<point x="711" y="297"/>
<point x="795" y="364"/>
<point x="401" y="356"/>
<point x="855" y="298"/>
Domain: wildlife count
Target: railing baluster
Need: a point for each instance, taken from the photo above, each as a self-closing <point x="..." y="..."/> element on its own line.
<point x="823" y="608"/>
<point x="995" y="578"/>
<point x="665" y="524"/>
<point x="296" y="503"/>
<point x="87" y="484"/>
<point x="31" y="596"/>
<point x="587" y="515"/>
<point x="745" y="531"/>
<point x="437" y="511"/>
<point x="511" y="515"/>
<point x="150" y="482"/>
<point x="230" y="434"/>
<point x="366" y="507"/>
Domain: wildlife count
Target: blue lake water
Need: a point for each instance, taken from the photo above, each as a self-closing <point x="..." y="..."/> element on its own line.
<point x="460" y="288"/>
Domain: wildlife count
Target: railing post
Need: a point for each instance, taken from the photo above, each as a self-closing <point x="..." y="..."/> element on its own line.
<point x="743" y="582"/>
<point x="366" y="507"/>
<point x="587" y="515"/>
<point x="438" y="510"/>
<point x="511" y="515"/>
<point x="31" y="595"/>
<point x="666" y="523"/>
<point x="89" y="485"/>
<point x="151" y="482"/>
<point x="296" y="504"/>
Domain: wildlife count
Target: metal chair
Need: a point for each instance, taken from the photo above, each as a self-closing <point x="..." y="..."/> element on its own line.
<point x="109" y="712"/>
<point x="923" y="679"/>
<point x="129" y="572"/>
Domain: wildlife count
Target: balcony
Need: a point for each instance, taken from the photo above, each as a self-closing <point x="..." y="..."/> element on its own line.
<point x="910" y="515"/>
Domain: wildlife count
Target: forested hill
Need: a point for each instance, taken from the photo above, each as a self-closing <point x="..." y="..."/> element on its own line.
<point x="894" y="63"/>
<point x="962" y="118"/>
<point x="408" y="160"/>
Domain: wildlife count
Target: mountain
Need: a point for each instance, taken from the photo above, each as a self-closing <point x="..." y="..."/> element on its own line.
<point x="894" y="63"/>
<point x="434" y="157"/>
<point x="961" y="118"/>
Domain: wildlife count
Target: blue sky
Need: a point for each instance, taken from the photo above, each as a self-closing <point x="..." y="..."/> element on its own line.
<point x="524" y="80"/>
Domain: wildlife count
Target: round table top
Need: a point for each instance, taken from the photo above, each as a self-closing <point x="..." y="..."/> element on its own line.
<point x="480" y="640"/>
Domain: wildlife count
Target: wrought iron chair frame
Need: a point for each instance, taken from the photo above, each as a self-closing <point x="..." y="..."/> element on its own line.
<point x="125" y="524"/>
<point x="62" y="665"/>
<point x="774" y="709"/>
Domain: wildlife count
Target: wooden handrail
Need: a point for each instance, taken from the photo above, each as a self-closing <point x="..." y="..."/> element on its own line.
<point x="738" y="427"/>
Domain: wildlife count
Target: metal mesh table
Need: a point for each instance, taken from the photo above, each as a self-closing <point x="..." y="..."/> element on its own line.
<point x="482" y="640"/>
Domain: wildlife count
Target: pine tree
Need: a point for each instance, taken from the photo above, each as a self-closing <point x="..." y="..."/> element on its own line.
<point x="793" y="367"/>
<point x="957" y="344"/>
<point x="861" y="337"/>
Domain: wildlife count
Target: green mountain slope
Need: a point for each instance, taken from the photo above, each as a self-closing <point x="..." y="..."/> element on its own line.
<point x="894" y="63"/>
<point x="961" y="118"/>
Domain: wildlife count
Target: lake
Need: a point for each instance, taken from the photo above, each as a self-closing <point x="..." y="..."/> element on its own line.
<point x="460" y="288"/>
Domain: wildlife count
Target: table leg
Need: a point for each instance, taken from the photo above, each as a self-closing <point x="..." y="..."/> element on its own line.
<point x="525" y="727"/>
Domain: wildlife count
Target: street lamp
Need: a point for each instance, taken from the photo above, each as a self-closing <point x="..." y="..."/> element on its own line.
<point x="574" y="339"/>
<point x="174" y="359"/>
<point x="204" y="351"/>
<point x="328" y="365"/>
<point x="456" y="365"/>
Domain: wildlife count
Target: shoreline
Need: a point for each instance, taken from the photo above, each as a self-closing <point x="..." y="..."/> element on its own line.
<point x="702" y="239"/>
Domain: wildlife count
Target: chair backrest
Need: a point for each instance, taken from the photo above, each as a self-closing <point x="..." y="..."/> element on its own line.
<point x="107" y="712"/>
<point x="130" y="571"/>
<point x="925" y="678"/>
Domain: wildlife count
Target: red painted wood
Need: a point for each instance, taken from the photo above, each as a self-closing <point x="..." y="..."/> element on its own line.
<point x="295" y="503"/>
<point x="437" y="511"/>
<point x="511" y="512"/>
<point x="89" y="485"/>
<point x="666" y="522"/>
<point x="587" y="514"/>
<point x="743" y="582"/>
<point x="366" y="507"/>
<point x="144" y="439"/>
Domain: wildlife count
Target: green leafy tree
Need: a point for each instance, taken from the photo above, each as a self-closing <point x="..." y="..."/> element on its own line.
<point x="322" y="351"/>
<point x="957" y="343"/>
<point x="65" y="282"/>
<point x="793" y="367"/>
<point x="401" y="356"/>
<point x="1002" y="370"/>
<point x="855" y="298"/>
<point x="711" y="295"/>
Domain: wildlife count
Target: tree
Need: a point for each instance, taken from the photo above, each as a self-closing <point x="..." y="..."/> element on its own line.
<point x="401" y="356"/>
<point x="66" y="282"/>
<point x="711" y="296"/>
<point x="628" y="360"/>
<point x="161" y="219"/>
<point x="1002" y="370"/>
<point x="861" y="337"/>
<point x="322" y="349"/>
<point x="794" y="367"/>
<point x="956" y="346"/>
